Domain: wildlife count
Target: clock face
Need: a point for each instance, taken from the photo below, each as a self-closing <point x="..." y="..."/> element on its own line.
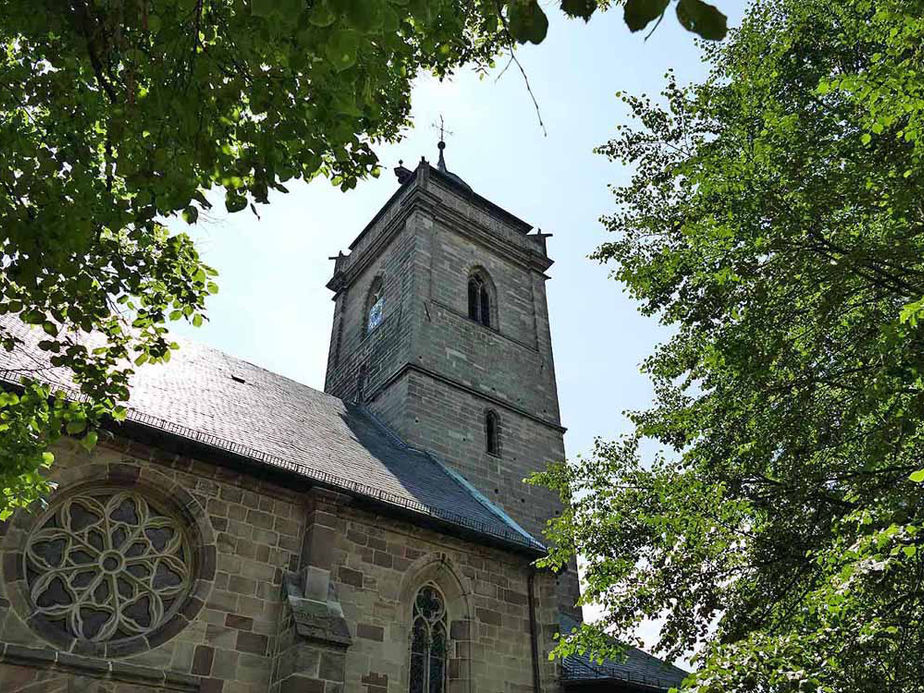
<point x="376" y="313"/>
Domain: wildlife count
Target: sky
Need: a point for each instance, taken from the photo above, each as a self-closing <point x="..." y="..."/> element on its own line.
<point x="274" y="310"/>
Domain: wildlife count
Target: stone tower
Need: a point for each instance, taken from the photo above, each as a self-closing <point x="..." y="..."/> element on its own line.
<point x="441" y="329"/>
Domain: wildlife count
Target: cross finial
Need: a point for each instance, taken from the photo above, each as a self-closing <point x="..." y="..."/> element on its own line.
<point x="442" y="129"/>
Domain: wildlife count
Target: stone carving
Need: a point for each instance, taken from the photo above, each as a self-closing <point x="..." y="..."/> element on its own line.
<point x="107" y="564"/>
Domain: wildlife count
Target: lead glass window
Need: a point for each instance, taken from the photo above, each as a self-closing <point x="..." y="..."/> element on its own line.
<point x="429" y="642"/>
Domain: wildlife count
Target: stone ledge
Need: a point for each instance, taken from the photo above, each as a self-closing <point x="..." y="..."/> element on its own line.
<point x="44" y="658"/>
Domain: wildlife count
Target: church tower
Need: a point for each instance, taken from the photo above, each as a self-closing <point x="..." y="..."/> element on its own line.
<point x="441" y="329"/>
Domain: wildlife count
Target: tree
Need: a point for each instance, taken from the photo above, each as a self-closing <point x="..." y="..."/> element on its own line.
<point x="116" y="115"/>
<point x="775" y="220"/>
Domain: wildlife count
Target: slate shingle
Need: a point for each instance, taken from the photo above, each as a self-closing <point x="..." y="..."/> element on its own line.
<point x="639" y="669"/>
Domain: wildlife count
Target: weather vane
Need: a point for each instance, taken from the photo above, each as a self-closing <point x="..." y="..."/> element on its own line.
<point x="441" y="126"/>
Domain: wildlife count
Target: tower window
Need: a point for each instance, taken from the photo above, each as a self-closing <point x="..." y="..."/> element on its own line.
<point x="491" y="433"/>
<point x="375" y="305"/>
<point x="479" y="299"/>
<point x="429" y="642"/>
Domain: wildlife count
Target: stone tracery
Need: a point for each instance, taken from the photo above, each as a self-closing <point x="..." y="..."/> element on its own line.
<point x="106" y="564"/>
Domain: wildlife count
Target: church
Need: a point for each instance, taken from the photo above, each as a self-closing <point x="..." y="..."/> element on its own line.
<point x="240" y="532"/>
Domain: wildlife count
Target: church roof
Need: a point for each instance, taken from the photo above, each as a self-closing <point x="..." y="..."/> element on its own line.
<point x="639" y="671"/>
<point x="210" y="398"/>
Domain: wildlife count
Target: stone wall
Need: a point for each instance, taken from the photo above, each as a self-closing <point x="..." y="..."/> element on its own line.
<point x="256" y="528"/>
<point x="299" y="591"/>
<point x="378" y="565"/>
<point x="386" y="348"/>
<point x="449" y="422"/>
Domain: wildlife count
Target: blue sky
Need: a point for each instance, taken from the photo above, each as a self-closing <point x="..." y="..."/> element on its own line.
<point x="273" y="309"/>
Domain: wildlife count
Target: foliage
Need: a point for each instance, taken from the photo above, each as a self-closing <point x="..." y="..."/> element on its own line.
<point x="116" y="115"/>
<point x="774" y="219"/>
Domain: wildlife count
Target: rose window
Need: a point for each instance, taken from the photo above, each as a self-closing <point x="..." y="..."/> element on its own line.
<point x="106" y="565"/>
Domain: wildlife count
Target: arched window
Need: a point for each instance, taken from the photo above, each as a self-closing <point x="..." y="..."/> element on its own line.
<point x="479" y="299"/>
<point x="429" y="642"/>
<point x="491" y="426"/>
<point x="375" y="305"/>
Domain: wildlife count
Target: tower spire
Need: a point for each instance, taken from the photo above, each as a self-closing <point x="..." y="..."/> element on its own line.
<point x="441" y="164"/>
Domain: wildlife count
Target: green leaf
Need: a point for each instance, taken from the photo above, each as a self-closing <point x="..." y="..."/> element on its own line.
<point x="89" y="440"/>
<point x="32" y="317"/>
<point x="917" y="476"/>
<point x="76" y="426"/>
<point x="191" y="214"/>
<point x="579" y="8"/>
<point x="639" y="13"/>
<point x="262" y="8"/>
<point x="527" y="21"/>
<point x="321" y="14"/>
<point x="234" y="201"/>
<point x="341" y="49"/>
<point x="703" y="19"/>
<point x="363" y="15"/>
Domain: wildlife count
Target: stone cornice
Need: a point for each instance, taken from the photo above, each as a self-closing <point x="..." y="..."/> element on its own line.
<point x="419" y="197"/>
<point x="484" y="328"/>
<point x="452" y="382"/>
<point x="475" y="231"/>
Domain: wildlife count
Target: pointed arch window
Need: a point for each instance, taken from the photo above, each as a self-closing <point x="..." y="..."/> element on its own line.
<point x="375" y="305"/>
<point x="429" y="642"/>
<point x="492" y="433"/>
<point x="479" y="299"/>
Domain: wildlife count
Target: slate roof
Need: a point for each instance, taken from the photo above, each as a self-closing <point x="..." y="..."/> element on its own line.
<point x="209" y="397"/>
<point x="639" y="671"/>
